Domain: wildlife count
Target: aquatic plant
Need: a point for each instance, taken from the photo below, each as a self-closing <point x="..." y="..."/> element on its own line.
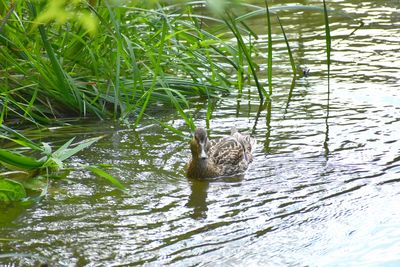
<point x="108" y="59"/>
<point x="139" y="56"/>
<point x="35" y="171"/>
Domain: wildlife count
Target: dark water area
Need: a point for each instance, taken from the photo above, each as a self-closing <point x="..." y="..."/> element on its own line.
<point x="323" y="189"/>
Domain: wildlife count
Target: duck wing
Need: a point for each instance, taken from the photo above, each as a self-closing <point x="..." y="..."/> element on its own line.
<point x="247" y="142"/>
<point x="227" y="151"/>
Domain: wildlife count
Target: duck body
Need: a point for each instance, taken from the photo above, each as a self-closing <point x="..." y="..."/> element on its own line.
<point x="227" y="156"/>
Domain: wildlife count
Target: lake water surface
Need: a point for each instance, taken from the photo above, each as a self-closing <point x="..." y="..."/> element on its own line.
<point x="323" y="190"/>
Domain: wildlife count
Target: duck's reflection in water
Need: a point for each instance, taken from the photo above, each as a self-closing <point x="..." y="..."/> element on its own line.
<point x="198" y="194"/>
<point x="198" y="198"/>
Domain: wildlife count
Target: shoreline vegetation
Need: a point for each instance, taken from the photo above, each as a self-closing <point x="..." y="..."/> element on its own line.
<point x="112" y="60"/>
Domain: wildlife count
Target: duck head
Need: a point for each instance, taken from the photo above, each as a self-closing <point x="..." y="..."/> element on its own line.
<point x="199" y="144"/>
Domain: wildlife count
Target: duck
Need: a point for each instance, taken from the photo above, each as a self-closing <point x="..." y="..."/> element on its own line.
<point x="227" y="156"/>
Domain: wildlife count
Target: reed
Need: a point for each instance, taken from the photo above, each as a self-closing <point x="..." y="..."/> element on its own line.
<point x="134" y="57"/>
<point x="138" y="57"/>
<point x="269" y="60"/>
<point x="327" y="38"/>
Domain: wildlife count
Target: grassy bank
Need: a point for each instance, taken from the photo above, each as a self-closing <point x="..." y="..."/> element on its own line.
<point x="112" y="60"/>
<point x="133" y="57"/>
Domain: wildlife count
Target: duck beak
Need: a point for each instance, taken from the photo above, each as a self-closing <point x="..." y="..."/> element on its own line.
<point x="203" y="154"/>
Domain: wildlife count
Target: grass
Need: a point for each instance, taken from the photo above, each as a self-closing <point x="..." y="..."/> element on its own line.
<point x="136" y="56"/>
<point x="118" y="73"/>
<point x="269" y="63"/>
<point x="327" y="38"/>
<point x="328" y="63"/>
<point x="107" y="61"/>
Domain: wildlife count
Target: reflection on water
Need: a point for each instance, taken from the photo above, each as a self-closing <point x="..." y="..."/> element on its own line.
<point x="322" y="190"/>
<point x="198" y="198"/>
<point x="198" y="194"/>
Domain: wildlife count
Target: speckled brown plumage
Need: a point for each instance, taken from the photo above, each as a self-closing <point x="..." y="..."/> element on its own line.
<point x="227" y="156"/>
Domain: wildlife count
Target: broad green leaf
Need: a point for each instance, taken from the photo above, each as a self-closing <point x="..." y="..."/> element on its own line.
<point x="19" y="161"/>
<point x="64" y="147"/>
<point x="63" y="152"/>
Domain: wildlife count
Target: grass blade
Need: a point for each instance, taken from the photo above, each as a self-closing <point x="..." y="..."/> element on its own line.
<point x="63" y="152"/>
<point x="22" y="140"/>
<point x="328" y="39"/>
<point x="293" y="65"/>
<point x="19" y="161"/>
<point x="188" y="119"/>
<point x="269" y="66"/>
<point x="232" y="26"/>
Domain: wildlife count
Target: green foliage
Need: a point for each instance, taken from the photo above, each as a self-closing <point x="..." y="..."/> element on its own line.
<point x="62" y="11"/>
<point x="11" y="190"/>
<point x="52" y="68"/>
<point x="16" y="161"/>
<point x="269" y="75"/>
<point x="55" y="159"/>
<point x="34" y="174"/>
<point x="116" y="59"/>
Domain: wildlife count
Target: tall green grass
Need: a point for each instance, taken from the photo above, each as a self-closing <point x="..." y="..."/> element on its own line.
<point x="114" y="60"/>
<point x="269" y="59"/>
<point x="328" y="63"/>
<point x="139" y="56"/>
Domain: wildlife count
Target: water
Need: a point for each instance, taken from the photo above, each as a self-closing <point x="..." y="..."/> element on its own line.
<point x="322" y="191"/>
